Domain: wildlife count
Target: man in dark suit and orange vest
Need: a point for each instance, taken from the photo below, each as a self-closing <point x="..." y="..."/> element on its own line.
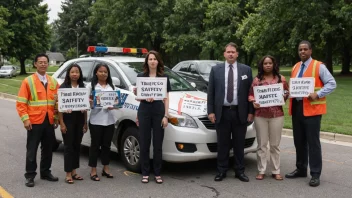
<point x="36" y="108"/>
<point x="307" y="112"/>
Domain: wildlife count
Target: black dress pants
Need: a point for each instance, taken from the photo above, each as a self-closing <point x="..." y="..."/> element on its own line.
<point x="150" y="116"/>
<point x="306" y="134"/>
<point x="45" y="135"/>
<point x="101" y="137"/>
<point x="228" y="126"/>
<point x="72" y="140"/>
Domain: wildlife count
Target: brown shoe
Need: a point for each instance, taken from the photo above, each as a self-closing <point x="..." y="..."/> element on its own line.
<point x="260" y="177"/>
<point x="277" y="176"/>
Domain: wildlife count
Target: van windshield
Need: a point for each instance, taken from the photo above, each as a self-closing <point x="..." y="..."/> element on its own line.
<point x="131" y="69"/>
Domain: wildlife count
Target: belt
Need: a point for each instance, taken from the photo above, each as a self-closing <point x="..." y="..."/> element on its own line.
<point x="230" y="107"/>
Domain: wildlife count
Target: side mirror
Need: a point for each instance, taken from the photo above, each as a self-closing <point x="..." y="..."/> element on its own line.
<point x="115" y="81"/>
<point x="193" y="84"/>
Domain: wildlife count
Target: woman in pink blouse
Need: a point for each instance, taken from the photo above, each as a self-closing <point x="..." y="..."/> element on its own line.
<point x="268" y="121"/>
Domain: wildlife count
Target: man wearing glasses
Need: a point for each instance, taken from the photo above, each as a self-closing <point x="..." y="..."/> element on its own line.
<point x="36" y="107"/>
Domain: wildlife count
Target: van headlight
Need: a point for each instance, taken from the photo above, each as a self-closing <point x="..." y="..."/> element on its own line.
<point x="183" y="120"/>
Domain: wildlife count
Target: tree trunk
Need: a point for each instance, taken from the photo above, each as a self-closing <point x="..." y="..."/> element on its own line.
<point x="212" y="54"/>
<point x="249" y="59"/>
<point x="23" y="66"/>
<point x="328" y="60"/>
<point x="346" y="60"/>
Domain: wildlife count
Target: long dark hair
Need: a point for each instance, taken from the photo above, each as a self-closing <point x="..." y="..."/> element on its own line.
<point x="276" y="71"/>
<point x="159" y="68"/>
<point x="95" y="77"/>
<point x="67" y="81"/>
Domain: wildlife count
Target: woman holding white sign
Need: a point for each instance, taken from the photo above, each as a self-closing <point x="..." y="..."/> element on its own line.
<point x="268" y="121"/>
<point x="153" y="114"/>
<point x="101" y="124"/>
<point x="72" y="125"/>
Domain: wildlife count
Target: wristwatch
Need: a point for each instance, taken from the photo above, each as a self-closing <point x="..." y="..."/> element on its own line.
<point x="165" y="116"/>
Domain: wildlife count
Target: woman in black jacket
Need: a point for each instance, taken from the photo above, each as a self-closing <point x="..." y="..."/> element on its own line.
<point x="152" y="114"/>
<point x="72" y="125"/>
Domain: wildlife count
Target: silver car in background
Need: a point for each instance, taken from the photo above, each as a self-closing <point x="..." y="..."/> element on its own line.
<point x="8" y="71"/>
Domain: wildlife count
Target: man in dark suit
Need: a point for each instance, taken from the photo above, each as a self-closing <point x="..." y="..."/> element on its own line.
<point x="229" y="109"/>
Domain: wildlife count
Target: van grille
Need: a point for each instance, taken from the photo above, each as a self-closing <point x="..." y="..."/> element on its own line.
<point x="207" y="123"/>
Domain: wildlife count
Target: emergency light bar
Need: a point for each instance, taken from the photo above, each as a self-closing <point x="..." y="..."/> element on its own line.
<point x="102" y="49"/>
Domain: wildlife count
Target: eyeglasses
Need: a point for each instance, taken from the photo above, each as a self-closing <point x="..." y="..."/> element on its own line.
<point x="42" y="62"/>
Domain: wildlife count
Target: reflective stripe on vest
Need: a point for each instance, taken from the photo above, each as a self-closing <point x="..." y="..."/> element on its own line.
<point x="35" y="102"/>
<point x="53" y="83"/>
<point x="22" y="100"/>
<point x="41" y="103"/>
<point x="323" y="101"/>
<point x="25" y="117"/>
<point x="32" y="88"/>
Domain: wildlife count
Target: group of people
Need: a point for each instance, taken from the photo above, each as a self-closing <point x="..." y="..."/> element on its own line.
<point x="232" y="105"/>
<point x="36" y="106"/>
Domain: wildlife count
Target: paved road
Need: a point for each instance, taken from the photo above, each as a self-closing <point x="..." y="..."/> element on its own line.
<point x="181" y="180"/>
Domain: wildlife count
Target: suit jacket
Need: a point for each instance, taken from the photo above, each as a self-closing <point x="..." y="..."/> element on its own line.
<point x="216" y="91"/>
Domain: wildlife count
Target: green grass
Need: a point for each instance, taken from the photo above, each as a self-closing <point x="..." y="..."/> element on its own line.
<point x="50" y="69"/>
<point x="11" y="86"/>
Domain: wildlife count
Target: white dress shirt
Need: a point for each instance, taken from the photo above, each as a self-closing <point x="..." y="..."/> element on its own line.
<point x="42" y="78"/>
<point x="235" y="76"/>
<point x="101" y="116"/>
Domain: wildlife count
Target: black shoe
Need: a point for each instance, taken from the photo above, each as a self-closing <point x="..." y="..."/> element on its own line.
<point x="296" y="173"/>
<point x="49" y="177"/>
<point x="314" y="182"/>
<point x="220" y="176"/>
<point x="108" y="175"/>
<point x="242" y="177"/>
<point x="29" y="182"/>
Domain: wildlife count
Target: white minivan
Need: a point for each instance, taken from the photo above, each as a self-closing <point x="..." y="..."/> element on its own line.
<point x="188" y="137"/>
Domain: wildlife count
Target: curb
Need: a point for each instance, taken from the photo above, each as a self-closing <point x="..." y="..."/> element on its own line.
<point x="8" y="96"/>
<point x="325" y="135"/>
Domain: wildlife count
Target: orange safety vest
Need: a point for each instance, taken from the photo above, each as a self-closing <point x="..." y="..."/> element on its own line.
<point x="34" y="102"/>
<point x="311" y="108"/>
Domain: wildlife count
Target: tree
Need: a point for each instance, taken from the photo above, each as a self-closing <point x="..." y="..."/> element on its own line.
<point x="71" y="53"/>
<point x="54" y="39"/>
<point x="221" y="22"/>
<point x="73" y="20"/>
<point x="183" y="29"/>
<point x="277" y="26"/>
<point x="5" y="33"/>
<point x="344" y="15"/>
<point x="28" y="22"/>
<point x="132" y="23"/>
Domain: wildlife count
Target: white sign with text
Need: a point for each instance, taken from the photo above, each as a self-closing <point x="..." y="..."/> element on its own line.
<point x="269" y="95"/>
<point x="105" y="99"/>
<point x="301" y="87"/>
<point x="192" y="105"/>
<point x="148" y="87"/>
<point x="74" y="99"/>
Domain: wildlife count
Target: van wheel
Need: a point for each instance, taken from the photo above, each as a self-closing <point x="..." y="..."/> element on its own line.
<point x="130" y="149"/>
<point x="56" y="145"/>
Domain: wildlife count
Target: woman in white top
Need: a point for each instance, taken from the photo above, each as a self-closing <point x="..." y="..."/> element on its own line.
<point x="101" y="124"/>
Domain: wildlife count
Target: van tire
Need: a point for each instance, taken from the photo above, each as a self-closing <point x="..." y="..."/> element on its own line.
<point x="130" y="142"/>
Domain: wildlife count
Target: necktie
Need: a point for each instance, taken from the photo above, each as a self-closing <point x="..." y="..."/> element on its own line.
<point x="301" y="71"/>
<point x="230" y="85"/>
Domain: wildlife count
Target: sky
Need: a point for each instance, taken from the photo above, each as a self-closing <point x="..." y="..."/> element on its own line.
<point x="54" y="7"/>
